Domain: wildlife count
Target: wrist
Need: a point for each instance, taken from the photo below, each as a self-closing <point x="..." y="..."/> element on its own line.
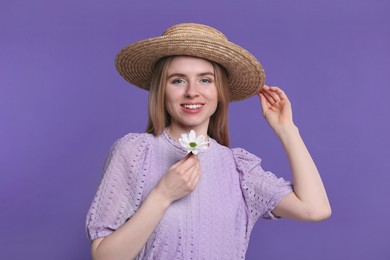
<point x="287" y="131"/>
<point x="162" y="201"/>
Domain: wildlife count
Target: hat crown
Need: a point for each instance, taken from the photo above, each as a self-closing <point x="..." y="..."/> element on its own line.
<point x="194" y="29"/>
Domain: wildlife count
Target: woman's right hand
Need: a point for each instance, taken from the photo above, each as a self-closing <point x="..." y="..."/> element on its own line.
<point x="180" y="180"/>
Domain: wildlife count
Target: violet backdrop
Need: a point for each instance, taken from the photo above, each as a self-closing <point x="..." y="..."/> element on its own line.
<point x="62" y="105"/>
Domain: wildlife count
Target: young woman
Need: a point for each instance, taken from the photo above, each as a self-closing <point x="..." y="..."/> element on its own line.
<point x="155" y="200"/>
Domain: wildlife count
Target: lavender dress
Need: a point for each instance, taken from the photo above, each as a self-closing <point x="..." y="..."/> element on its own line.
<point x="213" y="222"/>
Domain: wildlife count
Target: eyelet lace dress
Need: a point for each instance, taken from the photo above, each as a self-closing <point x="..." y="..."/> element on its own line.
<point x="213" y="222"/>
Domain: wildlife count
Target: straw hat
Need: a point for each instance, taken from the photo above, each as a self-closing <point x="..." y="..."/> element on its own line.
<point x="136" y="61"/>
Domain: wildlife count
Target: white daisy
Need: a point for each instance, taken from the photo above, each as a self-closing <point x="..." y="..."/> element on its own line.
<point x="192" y="143"/>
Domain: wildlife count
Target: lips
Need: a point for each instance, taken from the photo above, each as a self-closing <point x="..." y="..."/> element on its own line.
<point x="192" y="106"/>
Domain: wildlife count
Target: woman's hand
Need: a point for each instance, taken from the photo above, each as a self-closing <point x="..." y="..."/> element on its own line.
<point x="276" y="107"/>
<point x="127" y="241"/>
<point x="180" y="180"/>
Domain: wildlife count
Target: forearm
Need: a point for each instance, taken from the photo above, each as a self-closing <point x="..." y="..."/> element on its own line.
<point x="308" y="185"/>
<point x="127" y="241"/>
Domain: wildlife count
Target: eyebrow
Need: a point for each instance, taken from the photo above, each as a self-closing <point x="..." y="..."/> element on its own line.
<point x="184" y="75"/>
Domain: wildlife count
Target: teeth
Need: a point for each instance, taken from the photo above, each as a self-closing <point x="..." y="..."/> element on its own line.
<point x="193" y="106"/>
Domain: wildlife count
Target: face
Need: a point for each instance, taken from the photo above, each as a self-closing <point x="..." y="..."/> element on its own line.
<point x="191" y="95"/>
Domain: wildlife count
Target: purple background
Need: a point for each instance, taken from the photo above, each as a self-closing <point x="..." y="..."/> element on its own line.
<point x="62" y="105"/>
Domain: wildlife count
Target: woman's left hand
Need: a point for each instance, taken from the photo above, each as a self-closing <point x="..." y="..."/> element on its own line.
<point x="276" y="107"/>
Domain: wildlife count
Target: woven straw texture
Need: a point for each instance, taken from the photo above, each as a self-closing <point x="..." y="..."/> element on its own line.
<point x="136" y="61"/>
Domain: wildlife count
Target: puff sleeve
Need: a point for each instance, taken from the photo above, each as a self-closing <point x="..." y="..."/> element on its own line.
<point x="121" y="188"/>
<point x="262" y="190"/>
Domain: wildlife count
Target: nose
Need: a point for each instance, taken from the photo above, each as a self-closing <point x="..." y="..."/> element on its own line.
<point x="191" y="90"/>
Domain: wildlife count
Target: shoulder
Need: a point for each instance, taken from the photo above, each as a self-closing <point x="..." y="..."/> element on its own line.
<point x="128" y="152"/>
<point x="238" y="153"/>
<point x="243" y="158"/>
<point x="132" y="141"/>
<point x="132" y="146"/>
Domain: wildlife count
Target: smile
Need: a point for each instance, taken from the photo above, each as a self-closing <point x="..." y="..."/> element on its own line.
<point x="192" y="106"/>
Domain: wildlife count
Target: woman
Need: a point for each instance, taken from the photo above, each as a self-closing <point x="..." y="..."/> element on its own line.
<point x="156" y="201"/>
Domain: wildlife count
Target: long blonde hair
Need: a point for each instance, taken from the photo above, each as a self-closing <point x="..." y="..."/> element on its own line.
<point x="158" y="114"/>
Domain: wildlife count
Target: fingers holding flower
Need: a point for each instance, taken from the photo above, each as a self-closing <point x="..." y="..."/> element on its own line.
<point x="180" y="180"/>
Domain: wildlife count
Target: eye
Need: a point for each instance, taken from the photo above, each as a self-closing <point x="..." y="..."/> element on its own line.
<point x="206" y="80"/>
<point x="178" y="81"/>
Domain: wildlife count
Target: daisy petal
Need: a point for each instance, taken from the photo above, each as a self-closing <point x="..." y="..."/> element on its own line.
<point x="192" y="136"/>
<point x="200" y="139"/>
<point x="185" y="138"/>
<point x="183" y="143"/>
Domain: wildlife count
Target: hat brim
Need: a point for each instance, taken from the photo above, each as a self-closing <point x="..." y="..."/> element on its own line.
<point x="246" y="76"/>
